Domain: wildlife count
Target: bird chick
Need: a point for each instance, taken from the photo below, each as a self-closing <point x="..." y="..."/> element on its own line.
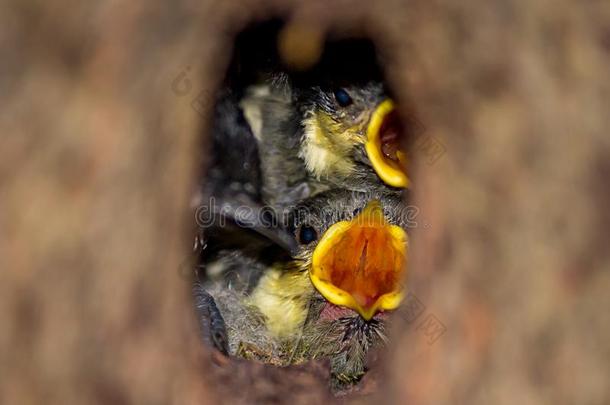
<point x="333" y="127"/>
<point x="352" y="136"/>
<point x="329" y="297"/>
<point x="351" y="133"/>
<point x="232" y="221"/>
<point x="275" y="123"/>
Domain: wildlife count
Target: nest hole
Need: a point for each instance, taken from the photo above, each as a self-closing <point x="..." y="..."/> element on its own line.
<point x="305" y="133"/>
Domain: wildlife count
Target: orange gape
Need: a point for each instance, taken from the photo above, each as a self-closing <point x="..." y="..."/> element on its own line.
<point x="364" y="264"/>
<point x="360" y="264"/>
<point x="384" y="147"/>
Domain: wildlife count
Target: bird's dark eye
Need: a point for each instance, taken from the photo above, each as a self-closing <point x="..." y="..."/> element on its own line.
<point x="342" y="97"/>
<point x="307" y="234"/>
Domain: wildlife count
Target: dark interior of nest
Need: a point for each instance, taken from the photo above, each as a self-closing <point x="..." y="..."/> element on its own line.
<point x="302" y="240"/>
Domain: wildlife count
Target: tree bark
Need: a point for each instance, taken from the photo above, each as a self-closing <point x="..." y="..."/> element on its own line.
<point x="103" y="124"/>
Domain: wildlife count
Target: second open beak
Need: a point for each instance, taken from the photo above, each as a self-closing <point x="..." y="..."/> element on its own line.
<point x="361" y="264"/>
<point x="384" y="145"/>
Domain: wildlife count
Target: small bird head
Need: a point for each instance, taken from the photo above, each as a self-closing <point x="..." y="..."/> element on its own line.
<point x="326" y="297"/>
<point x="354" y="248"/>
<point x="353" y="131"/>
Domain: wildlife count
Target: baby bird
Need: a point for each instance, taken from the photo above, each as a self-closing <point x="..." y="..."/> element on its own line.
<point x="326" y="299"/>
<point x="333" y="127"/>
<point x="232" y="186"/>
<point x="229" y="209"/>
<point x="351" y="136"/>
<point x="318" y="275"/>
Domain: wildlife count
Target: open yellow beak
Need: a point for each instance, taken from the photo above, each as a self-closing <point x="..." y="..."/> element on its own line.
<point x="383" y="146"/>
<point x="360" y="264"/>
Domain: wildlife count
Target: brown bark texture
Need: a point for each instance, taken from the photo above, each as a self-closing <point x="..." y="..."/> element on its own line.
<point x="99" y="151"/>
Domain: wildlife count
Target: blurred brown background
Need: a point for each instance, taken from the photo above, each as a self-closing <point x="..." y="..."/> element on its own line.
<point x="98" y="156"/>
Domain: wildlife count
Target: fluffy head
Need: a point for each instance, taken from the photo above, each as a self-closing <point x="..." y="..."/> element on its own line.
<point x="273" y="311"/>
<point x="297" y="313"/>
<point x="335" y="121"/>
